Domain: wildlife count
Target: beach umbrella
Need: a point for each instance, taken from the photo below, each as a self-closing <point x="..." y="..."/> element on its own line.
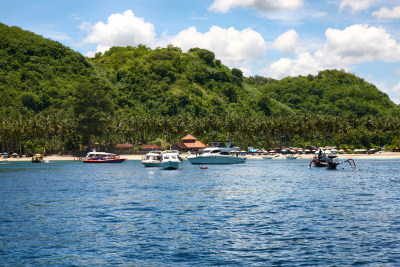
<point x="5" y="153"/>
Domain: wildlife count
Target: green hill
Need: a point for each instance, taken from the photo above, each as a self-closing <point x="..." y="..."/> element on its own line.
<point x="53" y="97"/>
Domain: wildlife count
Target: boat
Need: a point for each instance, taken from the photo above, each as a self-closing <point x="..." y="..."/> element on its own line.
<point x="152" y="159"/>
<point x="329" y="161"/>
<point x="217" y="153"/>
<point x="37" y="158"/>
<point x="103" y="157"/>
<point x="320" y="159"/>
<point x="267" y="157"/>
<point x="171" y="160"/>
<point x="291" y="157"/>
<point x="332" y="164"/>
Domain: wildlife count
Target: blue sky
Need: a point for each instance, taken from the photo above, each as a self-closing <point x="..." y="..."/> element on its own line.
<point x="271" y="38"/>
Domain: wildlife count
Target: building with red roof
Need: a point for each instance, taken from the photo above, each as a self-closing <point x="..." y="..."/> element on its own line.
<point x="150" y="147"/>
<point x="189" y="142"/>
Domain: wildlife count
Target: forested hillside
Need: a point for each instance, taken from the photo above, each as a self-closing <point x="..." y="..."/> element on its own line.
<point x="54" y="99"/>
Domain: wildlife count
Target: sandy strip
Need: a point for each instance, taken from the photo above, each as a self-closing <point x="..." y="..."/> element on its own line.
<point x="379" y="155"/>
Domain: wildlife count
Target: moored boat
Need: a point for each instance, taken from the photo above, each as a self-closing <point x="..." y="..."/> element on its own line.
<point x="217" y="153"/>
<point x="37" y="158"/>
<point x="171" y="160"/>
<point x="291" y="157"/>
<point x="103" y="157"/>
<point x="152" y="159"/>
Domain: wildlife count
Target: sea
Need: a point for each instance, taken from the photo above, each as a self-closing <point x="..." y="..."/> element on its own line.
<point x="261" y="213"/>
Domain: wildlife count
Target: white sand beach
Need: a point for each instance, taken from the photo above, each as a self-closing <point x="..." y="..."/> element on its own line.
<point x="378" y="155"/>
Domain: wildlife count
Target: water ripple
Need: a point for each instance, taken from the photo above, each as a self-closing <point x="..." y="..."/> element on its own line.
<point x="261" y="213"/>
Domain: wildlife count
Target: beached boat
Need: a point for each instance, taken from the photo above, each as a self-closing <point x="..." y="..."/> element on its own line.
<point x="217" y="153"/>
<point x="152" y="159"/>
<point x="171" y="160"/>
<point x="37" y="158"/>
<point x="291" y="157"/>
<point x="103" y="157"/>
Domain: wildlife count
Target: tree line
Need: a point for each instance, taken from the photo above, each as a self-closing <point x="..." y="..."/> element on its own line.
<point x="57" y="132"/>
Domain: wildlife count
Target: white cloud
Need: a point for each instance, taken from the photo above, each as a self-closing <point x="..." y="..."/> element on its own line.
<point x="356" y="6"/>
<point x="356" y="44"/>
<point x="120" y="30"/>
<point x="304" y="64"/>
<point x="392" y="90"/>
<point x="343" y="49"/>
<point x="261" y="5"/>
<point x="233" y="47"/>
<point x="396" y="88"/>
<point x="385" y="13"/>
<point x="74" y="16"/>
<point x="288" y="43"/>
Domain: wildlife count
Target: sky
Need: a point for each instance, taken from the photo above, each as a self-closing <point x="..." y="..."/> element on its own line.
<point x="270" y="38"/>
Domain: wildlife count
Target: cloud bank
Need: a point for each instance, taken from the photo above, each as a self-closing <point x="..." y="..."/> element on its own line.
<point x="385" y="13"/>
<point x="342" y="49"/>
<point x="356" y="6"/>
<point x="261" y="5"/>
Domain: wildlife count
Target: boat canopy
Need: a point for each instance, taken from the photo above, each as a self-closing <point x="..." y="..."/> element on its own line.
<point x="100" y="154"/>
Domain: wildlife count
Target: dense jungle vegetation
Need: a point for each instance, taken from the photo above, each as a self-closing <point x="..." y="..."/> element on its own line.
<point x="53" y="99"/>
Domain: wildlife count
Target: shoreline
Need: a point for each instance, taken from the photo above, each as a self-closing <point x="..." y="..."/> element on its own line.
<point x="378" y="155"/>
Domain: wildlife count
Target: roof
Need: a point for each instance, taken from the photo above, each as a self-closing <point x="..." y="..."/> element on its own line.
<point x="150" y="146"/>
<point x="196" y="144"/>
<point x="181" y="145"/>
<point x="123" y="146"/>
<point x="189" y="137"/>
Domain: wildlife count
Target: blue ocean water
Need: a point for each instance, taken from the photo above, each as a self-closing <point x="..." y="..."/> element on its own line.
<point x="261" y="213"/>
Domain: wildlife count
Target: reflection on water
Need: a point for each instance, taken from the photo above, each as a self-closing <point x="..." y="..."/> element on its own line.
<point x="263" y="212"/>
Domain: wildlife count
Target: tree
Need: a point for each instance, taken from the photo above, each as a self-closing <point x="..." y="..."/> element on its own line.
<point x="91" y="107"/>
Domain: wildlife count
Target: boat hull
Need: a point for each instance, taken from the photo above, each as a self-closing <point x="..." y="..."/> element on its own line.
<point x="332" y="165"/>
<point x="216" y="160"/>
<point x="104" y="161"/>
<point x="171" y="165"/>
<point x="318" y="163"/>
<point x="150" y="164"/>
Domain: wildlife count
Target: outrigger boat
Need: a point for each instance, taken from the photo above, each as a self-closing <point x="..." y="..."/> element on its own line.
<point x="328" y="161"/>
<point x="103" y="157"/>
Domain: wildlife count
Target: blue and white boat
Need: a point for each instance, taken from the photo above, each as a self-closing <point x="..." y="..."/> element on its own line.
<point x="171" y="160"/>
<point x="218" y="153"/>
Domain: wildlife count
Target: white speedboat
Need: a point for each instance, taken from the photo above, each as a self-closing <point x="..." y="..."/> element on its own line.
<point x="152" y="159"/>
<point x="171" y="160"/>
<point x="218" y="154"/>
